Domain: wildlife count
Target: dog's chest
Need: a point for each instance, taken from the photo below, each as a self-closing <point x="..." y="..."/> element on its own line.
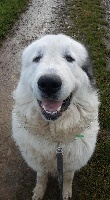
<point x="46" y="152"/>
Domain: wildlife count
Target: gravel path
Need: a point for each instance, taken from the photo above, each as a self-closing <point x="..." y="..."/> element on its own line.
<point x="41" y="17"/>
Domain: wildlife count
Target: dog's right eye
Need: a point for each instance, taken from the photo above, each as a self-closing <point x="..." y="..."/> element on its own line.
<point x="37" y="58"/>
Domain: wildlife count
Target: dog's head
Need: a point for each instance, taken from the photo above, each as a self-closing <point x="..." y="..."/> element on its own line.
<point x="56" y="68"/>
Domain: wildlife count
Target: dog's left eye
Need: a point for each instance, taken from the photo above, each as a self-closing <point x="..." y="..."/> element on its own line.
<point x="37" y="58"/>
<point x="69" y="58"/>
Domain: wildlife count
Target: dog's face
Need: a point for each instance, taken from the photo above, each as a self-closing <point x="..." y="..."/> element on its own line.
<point x="56" y="67"/>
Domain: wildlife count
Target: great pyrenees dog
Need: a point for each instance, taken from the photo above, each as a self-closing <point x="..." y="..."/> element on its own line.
<point x="56" y="104"/>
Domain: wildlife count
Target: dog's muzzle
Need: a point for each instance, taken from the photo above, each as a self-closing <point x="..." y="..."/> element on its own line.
<point x="49" y="87"/>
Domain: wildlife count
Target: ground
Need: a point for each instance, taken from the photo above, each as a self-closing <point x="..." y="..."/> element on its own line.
<point x="17" y="180"/>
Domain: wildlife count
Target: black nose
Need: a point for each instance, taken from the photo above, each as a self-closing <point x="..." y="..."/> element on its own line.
<point x="49" y="84"/>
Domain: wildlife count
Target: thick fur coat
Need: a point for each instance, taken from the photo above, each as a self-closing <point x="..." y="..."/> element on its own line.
<point x="41" y="118"/>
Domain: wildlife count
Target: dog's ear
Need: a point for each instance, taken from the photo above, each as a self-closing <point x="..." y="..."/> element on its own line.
<point x="88" y="69"/>
<point x="28" y="53"/>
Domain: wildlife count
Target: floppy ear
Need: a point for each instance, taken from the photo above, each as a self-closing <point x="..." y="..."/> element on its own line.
<point x="88" y="68"/>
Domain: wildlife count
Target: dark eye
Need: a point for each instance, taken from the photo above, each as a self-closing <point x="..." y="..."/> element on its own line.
<point x="37" y="58"/>
<point x="69" y="58"/>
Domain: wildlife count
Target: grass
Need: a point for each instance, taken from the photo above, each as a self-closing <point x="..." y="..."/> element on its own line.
<point x="9" y="12"/>
<point x="88" y="21"/>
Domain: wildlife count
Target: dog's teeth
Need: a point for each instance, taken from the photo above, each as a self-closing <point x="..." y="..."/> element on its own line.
<point x="59" y="109"/>
<point x="51" y="112"/>
<point x="54" y="112"/>
<point x="43" y="107"/>
<point x="48" y="112"/>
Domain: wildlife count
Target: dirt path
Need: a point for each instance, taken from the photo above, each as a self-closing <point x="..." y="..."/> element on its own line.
<point x="40" y="18"/>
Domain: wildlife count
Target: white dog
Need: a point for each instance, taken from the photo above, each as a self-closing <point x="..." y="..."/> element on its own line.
<point x="56" y="103"/>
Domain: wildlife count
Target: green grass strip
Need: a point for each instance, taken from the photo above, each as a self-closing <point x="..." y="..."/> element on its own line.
<point x="88" y="21"/>
<point x="9" y="12"/>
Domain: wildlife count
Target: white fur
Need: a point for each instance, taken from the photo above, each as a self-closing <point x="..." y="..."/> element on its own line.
<point x="37" y="138"/>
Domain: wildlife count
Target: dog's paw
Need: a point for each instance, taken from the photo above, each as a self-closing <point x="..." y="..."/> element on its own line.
<point x="38" y="193"/>
<point x="67" y="194"/>
<point x="40" y="187"/>
<point x="67" y="185"/>
<point x="35" y="197"/>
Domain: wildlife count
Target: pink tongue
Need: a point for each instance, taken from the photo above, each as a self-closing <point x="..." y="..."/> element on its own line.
<point x="51" y="105"/>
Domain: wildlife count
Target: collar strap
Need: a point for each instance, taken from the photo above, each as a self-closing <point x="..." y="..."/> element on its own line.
<point x="80" y="136"/>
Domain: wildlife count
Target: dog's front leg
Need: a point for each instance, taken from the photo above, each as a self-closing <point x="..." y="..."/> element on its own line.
<point x="40" y="187"/>
<point x="67" y="185"/>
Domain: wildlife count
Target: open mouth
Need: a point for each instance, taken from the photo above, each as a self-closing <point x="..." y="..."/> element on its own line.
<point x="52" y="109"/>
